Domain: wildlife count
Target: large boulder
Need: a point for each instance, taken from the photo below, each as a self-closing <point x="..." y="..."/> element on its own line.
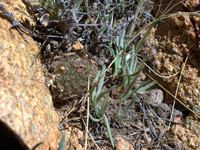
<point x="25" y="103"/>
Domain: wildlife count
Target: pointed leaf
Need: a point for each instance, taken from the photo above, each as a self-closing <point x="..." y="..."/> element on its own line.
<point x="93" y="119"/>
<point x="104" y="106"/>
<point x="103" y="93"/>
<point x="131" y="85"/>
<point x="131" y="103"/>
<point x="62" y="143"/>
<point x="132" y="57"/>
<point x="96" y="108"/>
<point x="101" y="80"/>
<point x="109" y="131"/>
<point x="145" y="87"/>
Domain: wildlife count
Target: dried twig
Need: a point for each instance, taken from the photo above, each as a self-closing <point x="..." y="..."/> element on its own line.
<point x="177" y="90"/>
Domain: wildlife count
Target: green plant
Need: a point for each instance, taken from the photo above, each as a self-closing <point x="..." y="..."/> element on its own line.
<point x="62" y="143"/>
<point x="71" y="76"/>
<point x="128" y="66"/>
<point x="95" y="95"/>
<point x="130" y="69"/>
<point x="51" y="7"/>
<point x="117" y="54"/>
<point x="129" y="92"/>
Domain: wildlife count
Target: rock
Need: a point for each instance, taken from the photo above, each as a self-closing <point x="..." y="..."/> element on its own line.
<point x="163" y="110"/>
<point x="192" y="124"/>
<point x="34" y="2"/>
<point x="74" y="139"/>
<point x="122" y="144"/>
<point x="26" y="104"/>
<point x="191" y="5"/>
<point x="179" y="36"/>
<point x="155" y="97"/>
<point x="175" y="38"/>
<point x="186" y="138"/>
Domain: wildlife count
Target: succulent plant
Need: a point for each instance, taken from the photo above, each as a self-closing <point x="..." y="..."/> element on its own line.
<point x="71" y="76"/>
<point x="95" y="95"/>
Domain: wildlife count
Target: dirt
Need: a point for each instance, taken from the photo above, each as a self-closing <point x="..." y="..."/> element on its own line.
<point x="67" y="79"/>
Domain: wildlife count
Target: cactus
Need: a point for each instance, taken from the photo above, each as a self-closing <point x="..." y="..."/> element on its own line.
<point x="72" y="76"/>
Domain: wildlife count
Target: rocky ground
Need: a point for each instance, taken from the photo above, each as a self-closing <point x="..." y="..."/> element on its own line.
<point x="171" y="47"/>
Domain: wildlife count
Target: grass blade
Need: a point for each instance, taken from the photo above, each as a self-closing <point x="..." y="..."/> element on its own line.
<point x="94" y="119"/>
<point x="62" y="143"/>
<point x="131" y="103"/>
<point x="109" y="131"/>
<point x="104" y="106"/>
<point x="143" y="88"/>
<point x="103" y="93"/>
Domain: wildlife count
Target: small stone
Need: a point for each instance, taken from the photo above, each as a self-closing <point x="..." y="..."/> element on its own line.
<point x="77" y="46"/>
<point x="62" y="68"/>
<point x="142" y="141"/>
<point x="155" y="97"/>
<point x="163" y="110"/>
<point x="191" y="142"/>
<point x="178" y="119"/>
<point x="82" y="108"/>
<point x="70" y="129"/>
<point x="139" y="123"/>
<point x="123" y="145"/>
<point x="147" y="129"/>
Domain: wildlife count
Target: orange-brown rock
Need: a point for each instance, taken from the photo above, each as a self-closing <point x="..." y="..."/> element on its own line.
<point x="74" y="139"/>
<point x="122" y="144"/>
<point x="186" y="138"/>
<point x="34" y="2"/>
<point x="26" y="104"/>
<point x="174" y="38"/>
